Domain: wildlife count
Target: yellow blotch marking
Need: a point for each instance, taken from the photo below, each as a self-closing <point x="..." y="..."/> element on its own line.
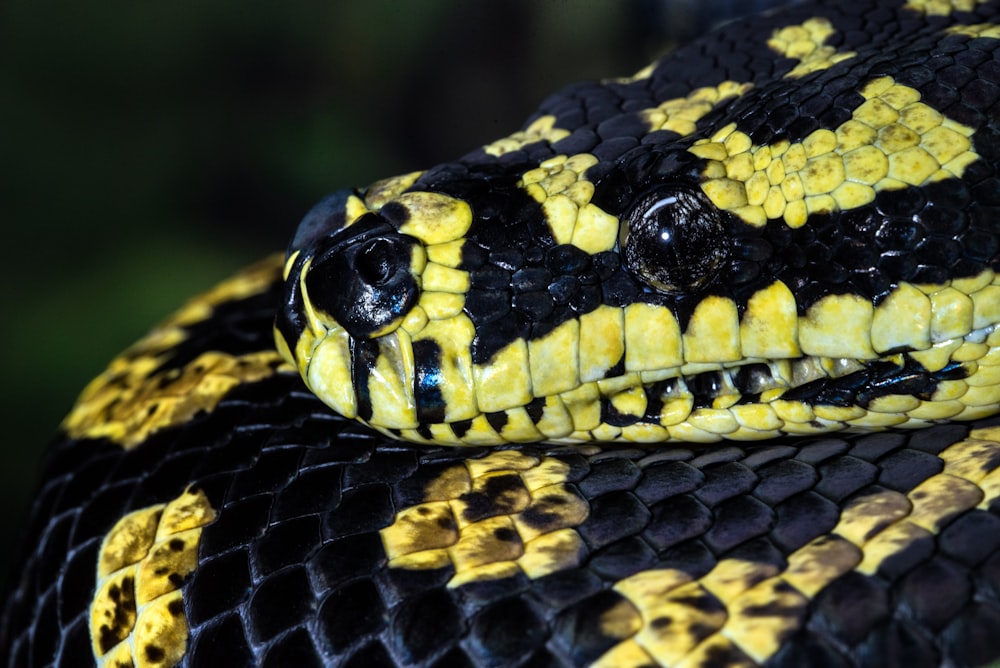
<point x="681" y="114"/>
<point x="434" y="218"/>
<point x="439" y="278"/>
<point x="134" y="398"/>
<point x="559" y="184"/>
<point x="891" y="141"/>
<point x="137" y="615"/>
<point x="942" y="7"/>
<point x="769" y="327"/>
<point x="381" y="192"/>
<point x="652" y="338"/>
<point x="541" y="129"/>
<point x="505" y="380"/>
<point x="805" y="43"/>
<point x="838" y="326"/>
<point x="491" y="518"/>
<point x="902" y="319"/>
<point x="553" y="360"/>
<point x="989" y="30"/>
<point x="713" y="333"/>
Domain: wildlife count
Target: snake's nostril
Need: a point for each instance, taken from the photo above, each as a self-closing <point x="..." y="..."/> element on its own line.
<point x="362" y="277"/>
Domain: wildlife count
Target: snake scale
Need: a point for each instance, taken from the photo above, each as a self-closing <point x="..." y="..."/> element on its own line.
<point x="682" y="326"/>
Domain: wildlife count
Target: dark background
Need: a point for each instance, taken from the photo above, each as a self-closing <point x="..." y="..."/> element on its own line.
<point x="148" y="149"/>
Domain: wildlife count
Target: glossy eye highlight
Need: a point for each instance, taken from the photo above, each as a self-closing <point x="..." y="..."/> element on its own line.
<point x="673" y="240"/>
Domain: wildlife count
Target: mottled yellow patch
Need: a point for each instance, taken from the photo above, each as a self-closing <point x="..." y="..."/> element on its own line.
<point x="942" y="7"/>
<point x="541" y="129"/>
<point x="491" y="518"/>
<point x="682" y="114"/>
<point x="137" y="616"/>
<point x="805" y="43"/>
<point x="136" y="396"/>
<point x="381" y="192"/>
<point x="891" y="141"/>
<point x="434" y="218"/>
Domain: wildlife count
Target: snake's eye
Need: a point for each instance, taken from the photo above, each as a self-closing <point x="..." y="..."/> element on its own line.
<point x="673" y="240"/>
<point x="364" y="279"/>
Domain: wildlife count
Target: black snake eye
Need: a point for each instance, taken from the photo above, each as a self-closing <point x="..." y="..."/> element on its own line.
<point x="673" y="240"/>
<point x="363" y="277"/>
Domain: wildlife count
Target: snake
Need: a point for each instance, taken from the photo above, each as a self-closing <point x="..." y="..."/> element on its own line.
<point x="697" y="368"/>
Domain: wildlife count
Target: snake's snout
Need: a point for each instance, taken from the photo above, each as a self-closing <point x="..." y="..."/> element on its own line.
<point x="365" y="276"/>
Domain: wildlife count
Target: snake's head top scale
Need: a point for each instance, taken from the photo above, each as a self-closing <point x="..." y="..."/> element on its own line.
<point x="696" y="261"/>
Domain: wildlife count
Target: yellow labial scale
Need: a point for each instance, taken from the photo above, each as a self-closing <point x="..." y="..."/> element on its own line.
<point x="561" y="216"/>
<point x="838" y="326"/>
<point x="438" y="278"/>
<point x="602" y="341"/>
<point x="838" y="413"/>
<point x="390" y="383"/>
<point x="937" y="410"/>
<point x="556" y="421"/>
<point x="520" y="428"/>
<point x="757" y="417"/>
<point x="713" y="332"/>
<point x="713" y="420"/>
<point x="505" y="381"/>
<point x="329" y="373"/>
<point x="873" y="420"/>
<point x="685" y="431"/>
<point x="652" y="338"/>
<point x="630" y="402"/>
<point x="454" y="341"/>
<point x="938" y="355"/>
<point x="643" y="432"/>
<point x="948" y="390"/>
<point x="596" y="231"/>
<point x="982" y="396"/>
<point x="986" y="306"/>
<point x="970" y="351"/>
<point x="584" y="406"/>
<point x="894" y="403"/>
<point x="984" y="375"/>
<point x="902" y="319"/>
<point x="792" y="412"/>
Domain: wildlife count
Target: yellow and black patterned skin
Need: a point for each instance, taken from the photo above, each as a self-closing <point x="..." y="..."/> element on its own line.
<point x="688" y="455"/>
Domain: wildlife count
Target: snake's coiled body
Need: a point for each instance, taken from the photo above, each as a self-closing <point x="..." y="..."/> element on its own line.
<point x="835" y="173"/>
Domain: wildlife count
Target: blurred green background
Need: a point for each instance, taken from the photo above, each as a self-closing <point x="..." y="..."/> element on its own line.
<point x="149" y="149"/>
